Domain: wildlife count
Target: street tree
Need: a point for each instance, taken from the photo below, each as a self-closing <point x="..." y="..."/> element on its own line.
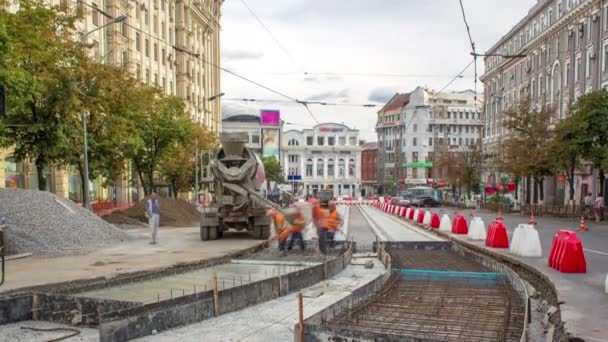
<point x="567" y="149"/>
<point x="468" y="167"/>
<point x="526" y="150"/>
<point x="177" y="165"/>
<point x="591" y="110"/>
<point x="160" y="122"/>
<point x="37" y="43"/>
<point x="272" y="169"/>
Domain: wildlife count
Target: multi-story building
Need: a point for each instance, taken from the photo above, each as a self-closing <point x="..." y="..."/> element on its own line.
<point x="557" y="52"/>
<point x="328" y="156"/>
<point x="369" y="169"/>
<point x="170" y="44"/>
<point x="411" y="126"/>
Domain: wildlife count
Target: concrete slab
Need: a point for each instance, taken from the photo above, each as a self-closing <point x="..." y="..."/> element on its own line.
<point x="390" y="228"/>
<point x="274" y="320"/>
<point x="177" y="246"/>
<point x="15" y="333"/>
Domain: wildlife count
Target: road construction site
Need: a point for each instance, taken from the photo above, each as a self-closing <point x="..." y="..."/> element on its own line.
<point x="388" y="279"/>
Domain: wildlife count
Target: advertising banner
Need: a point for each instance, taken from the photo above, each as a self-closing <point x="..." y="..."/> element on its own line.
<point x="270" y="117"/>
<point x="270" y="142"/>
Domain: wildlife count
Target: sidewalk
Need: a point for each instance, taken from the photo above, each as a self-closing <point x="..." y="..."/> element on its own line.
<point x="585" y="304"/>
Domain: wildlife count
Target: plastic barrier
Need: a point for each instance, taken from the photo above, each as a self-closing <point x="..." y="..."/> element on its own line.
<point x="410" y="216"/>
<point x="427" y="218"/>
<point x="558" y="239"/>
<point x="420" y="217"/>
<point x="497" y="235"/>
<point x="396" y="210"/>
<point x="567" y="252"/>
<point x="477" y="231"/>
<point x="445" y="225"/>
<point x="459" y="225"/>
<point x="526" y="242"/>
<point x="407" y="212"/>
<point x="435" y="221"/>
<point x="402" y="212"/>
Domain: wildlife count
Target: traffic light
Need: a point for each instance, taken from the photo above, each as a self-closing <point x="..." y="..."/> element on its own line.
<point x="2" y="100"/>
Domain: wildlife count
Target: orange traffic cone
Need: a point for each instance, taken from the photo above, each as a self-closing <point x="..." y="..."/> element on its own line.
<point x="532" y="221"/>
<point x="582" y="228"/>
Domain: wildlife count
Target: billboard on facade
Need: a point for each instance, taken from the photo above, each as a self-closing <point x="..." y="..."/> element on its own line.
<point x="270" y="142"/>
<point x="270" y="117"/>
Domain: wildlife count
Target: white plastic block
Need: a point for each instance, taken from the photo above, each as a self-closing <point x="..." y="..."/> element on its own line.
<point x="477" y="230"/>
<point x="446" y="224"/>
<point x="415" y="214"/>
<point x="427" y="218"/>
<point x="526" y="242"/>
<point x="407" y="213"/>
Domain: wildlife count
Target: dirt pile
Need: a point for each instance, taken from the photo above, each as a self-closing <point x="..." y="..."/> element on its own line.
<point x="173" y="213"/>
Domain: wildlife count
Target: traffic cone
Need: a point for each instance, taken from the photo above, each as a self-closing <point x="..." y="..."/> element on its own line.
<point x="582" y="228"/>
<point x="532" y="221"/>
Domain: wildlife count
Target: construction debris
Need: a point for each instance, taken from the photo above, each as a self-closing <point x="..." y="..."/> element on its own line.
<point x="40" y="222"/>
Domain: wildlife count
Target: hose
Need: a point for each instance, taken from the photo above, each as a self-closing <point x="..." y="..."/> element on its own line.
<point x="73" y="332"/>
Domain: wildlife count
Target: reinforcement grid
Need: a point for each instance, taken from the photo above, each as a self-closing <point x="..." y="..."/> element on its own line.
<point x="438" y="311"/>
<point x="444" y="260"/>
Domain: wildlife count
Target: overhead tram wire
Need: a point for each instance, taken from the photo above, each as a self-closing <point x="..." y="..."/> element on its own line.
<point x="454" y="79"/>
<point x="276" y="40"/>
<point x="321" y="103"/>
<point x="466" y="24"/>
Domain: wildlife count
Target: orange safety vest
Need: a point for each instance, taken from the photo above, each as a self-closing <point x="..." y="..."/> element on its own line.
<point x="297" y="223"/>
<point x="331" y="220"/>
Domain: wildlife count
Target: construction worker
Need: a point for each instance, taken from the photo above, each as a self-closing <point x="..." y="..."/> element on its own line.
<point x="280" y="228"/>
<point x="330" y="223"/>
<point x="296" y="225"/>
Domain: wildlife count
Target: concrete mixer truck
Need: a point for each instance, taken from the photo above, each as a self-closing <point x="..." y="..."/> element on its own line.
<point x="236" y="174"/>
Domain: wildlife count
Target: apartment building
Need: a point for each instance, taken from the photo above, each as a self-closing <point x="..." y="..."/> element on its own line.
<point x="170" y="44"/>
<point x="369" y="168"/>
<point x="556" y="53"/>
<point x="412" y="126"/>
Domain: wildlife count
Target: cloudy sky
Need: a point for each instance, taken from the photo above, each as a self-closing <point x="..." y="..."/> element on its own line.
<point x="352" y="52"/>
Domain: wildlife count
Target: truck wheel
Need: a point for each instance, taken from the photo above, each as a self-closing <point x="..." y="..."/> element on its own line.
<point x="261" y="232"/>
<point x="204" y="233"/>
<point x="209" y="233"/>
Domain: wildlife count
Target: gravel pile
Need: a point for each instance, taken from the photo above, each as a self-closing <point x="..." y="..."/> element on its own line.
<point x="41" y="223"/>
<point x="173" y="213"/>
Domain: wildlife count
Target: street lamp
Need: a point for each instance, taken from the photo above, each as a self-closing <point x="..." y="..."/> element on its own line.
<point x="86" y="202"/>
<point x="196" y="171"/>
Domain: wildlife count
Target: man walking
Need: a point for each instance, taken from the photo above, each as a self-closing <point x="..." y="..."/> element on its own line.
<point x="598" y="207"/>
<point x="153" y="215"/>
<point x="296" y="226"/>
<point x="588" y="201"/>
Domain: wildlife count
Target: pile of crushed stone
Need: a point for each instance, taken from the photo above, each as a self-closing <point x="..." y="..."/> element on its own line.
<point x="42" y="223"/>
<point x="173" y="213"/>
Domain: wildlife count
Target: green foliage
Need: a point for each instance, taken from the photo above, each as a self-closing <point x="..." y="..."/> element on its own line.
<point x="272" y="169"/>
<point x="591" y="113"/>
<point x="567" y="148"/>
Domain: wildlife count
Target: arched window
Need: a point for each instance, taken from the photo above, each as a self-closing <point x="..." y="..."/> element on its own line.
<point x="309" y="168"/>
<point x="351" y="168"/>
<point x="341" y="167"/>
<point x="293" y="142"/>
<point x="320" y="167"/>
<point x="330" y="168"/>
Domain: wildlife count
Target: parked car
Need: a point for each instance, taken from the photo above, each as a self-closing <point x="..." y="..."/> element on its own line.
<point x="425" y="202"/>
<point x="395" y="200"/>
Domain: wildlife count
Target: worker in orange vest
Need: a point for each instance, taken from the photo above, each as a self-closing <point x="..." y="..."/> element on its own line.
<point x="296" y="225"/>
<point x="280" y="228"/>
<point x="330" y="224"/>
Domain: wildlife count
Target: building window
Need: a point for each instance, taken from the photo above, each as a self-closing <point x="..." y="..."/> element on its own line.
<point x="293" y="158"/>
<point x="138" y="71"/>
<point x="566" y="73"/>
<point x="577" y="69"/>
<point x="147" y="48"/>
<point x="123" y="58"/>
<point x="415" y="128"/>
<point x="320" y="141"/>
<point x="309" y="141"/>
<point x="341" y="167"/>
<point x="320" y="167"/>
<point x="163" y="30"/>
<point x="309" y="168"/>
<point x="164" y="57"/>
<point x="164" y="84"/>
<point x="414" y="141"/>
<point x="147" y="76"/>
<point x="95" y="14"/>
<point x="156" y="79"/>
<point x="155" y="52"/>
<point x="331" y="141"/>
<point x="342" y="141"/>
<point x="137" y="41"/>
<point x="352" y="141"/>
<point x="155" y="24"/>
<point x="146" y="17"/>
<point x="255" y="139"/>
<point x="588" y="65"/>
<point x="351" y="168"/>
<point x="330" y="168"/>
<point x="605" y="56"/>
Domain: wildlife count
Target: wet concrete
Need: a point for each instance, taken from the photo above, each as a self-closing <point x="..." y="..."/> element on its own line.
<point x="173" y="286"/>
<point x="15" y="333"/>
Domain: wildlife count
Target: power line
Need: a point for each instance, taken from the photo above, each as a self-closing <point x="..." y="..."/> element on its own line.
<point x="269" y="32"/>
<point x="322" y="103"/>
<point x="454" y="79"/>
<point x="354" y="74"/>
<point x="466" y="24"/>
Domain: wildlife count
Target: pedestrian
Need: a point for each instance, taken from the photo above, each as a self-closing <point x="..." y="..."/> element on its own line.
<point x="153" y="215"/>
<point x="588" y="205"/>
<point x="598" y="206"/>
<point x="331" y="222"/>
<point x="296" y="226"/>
